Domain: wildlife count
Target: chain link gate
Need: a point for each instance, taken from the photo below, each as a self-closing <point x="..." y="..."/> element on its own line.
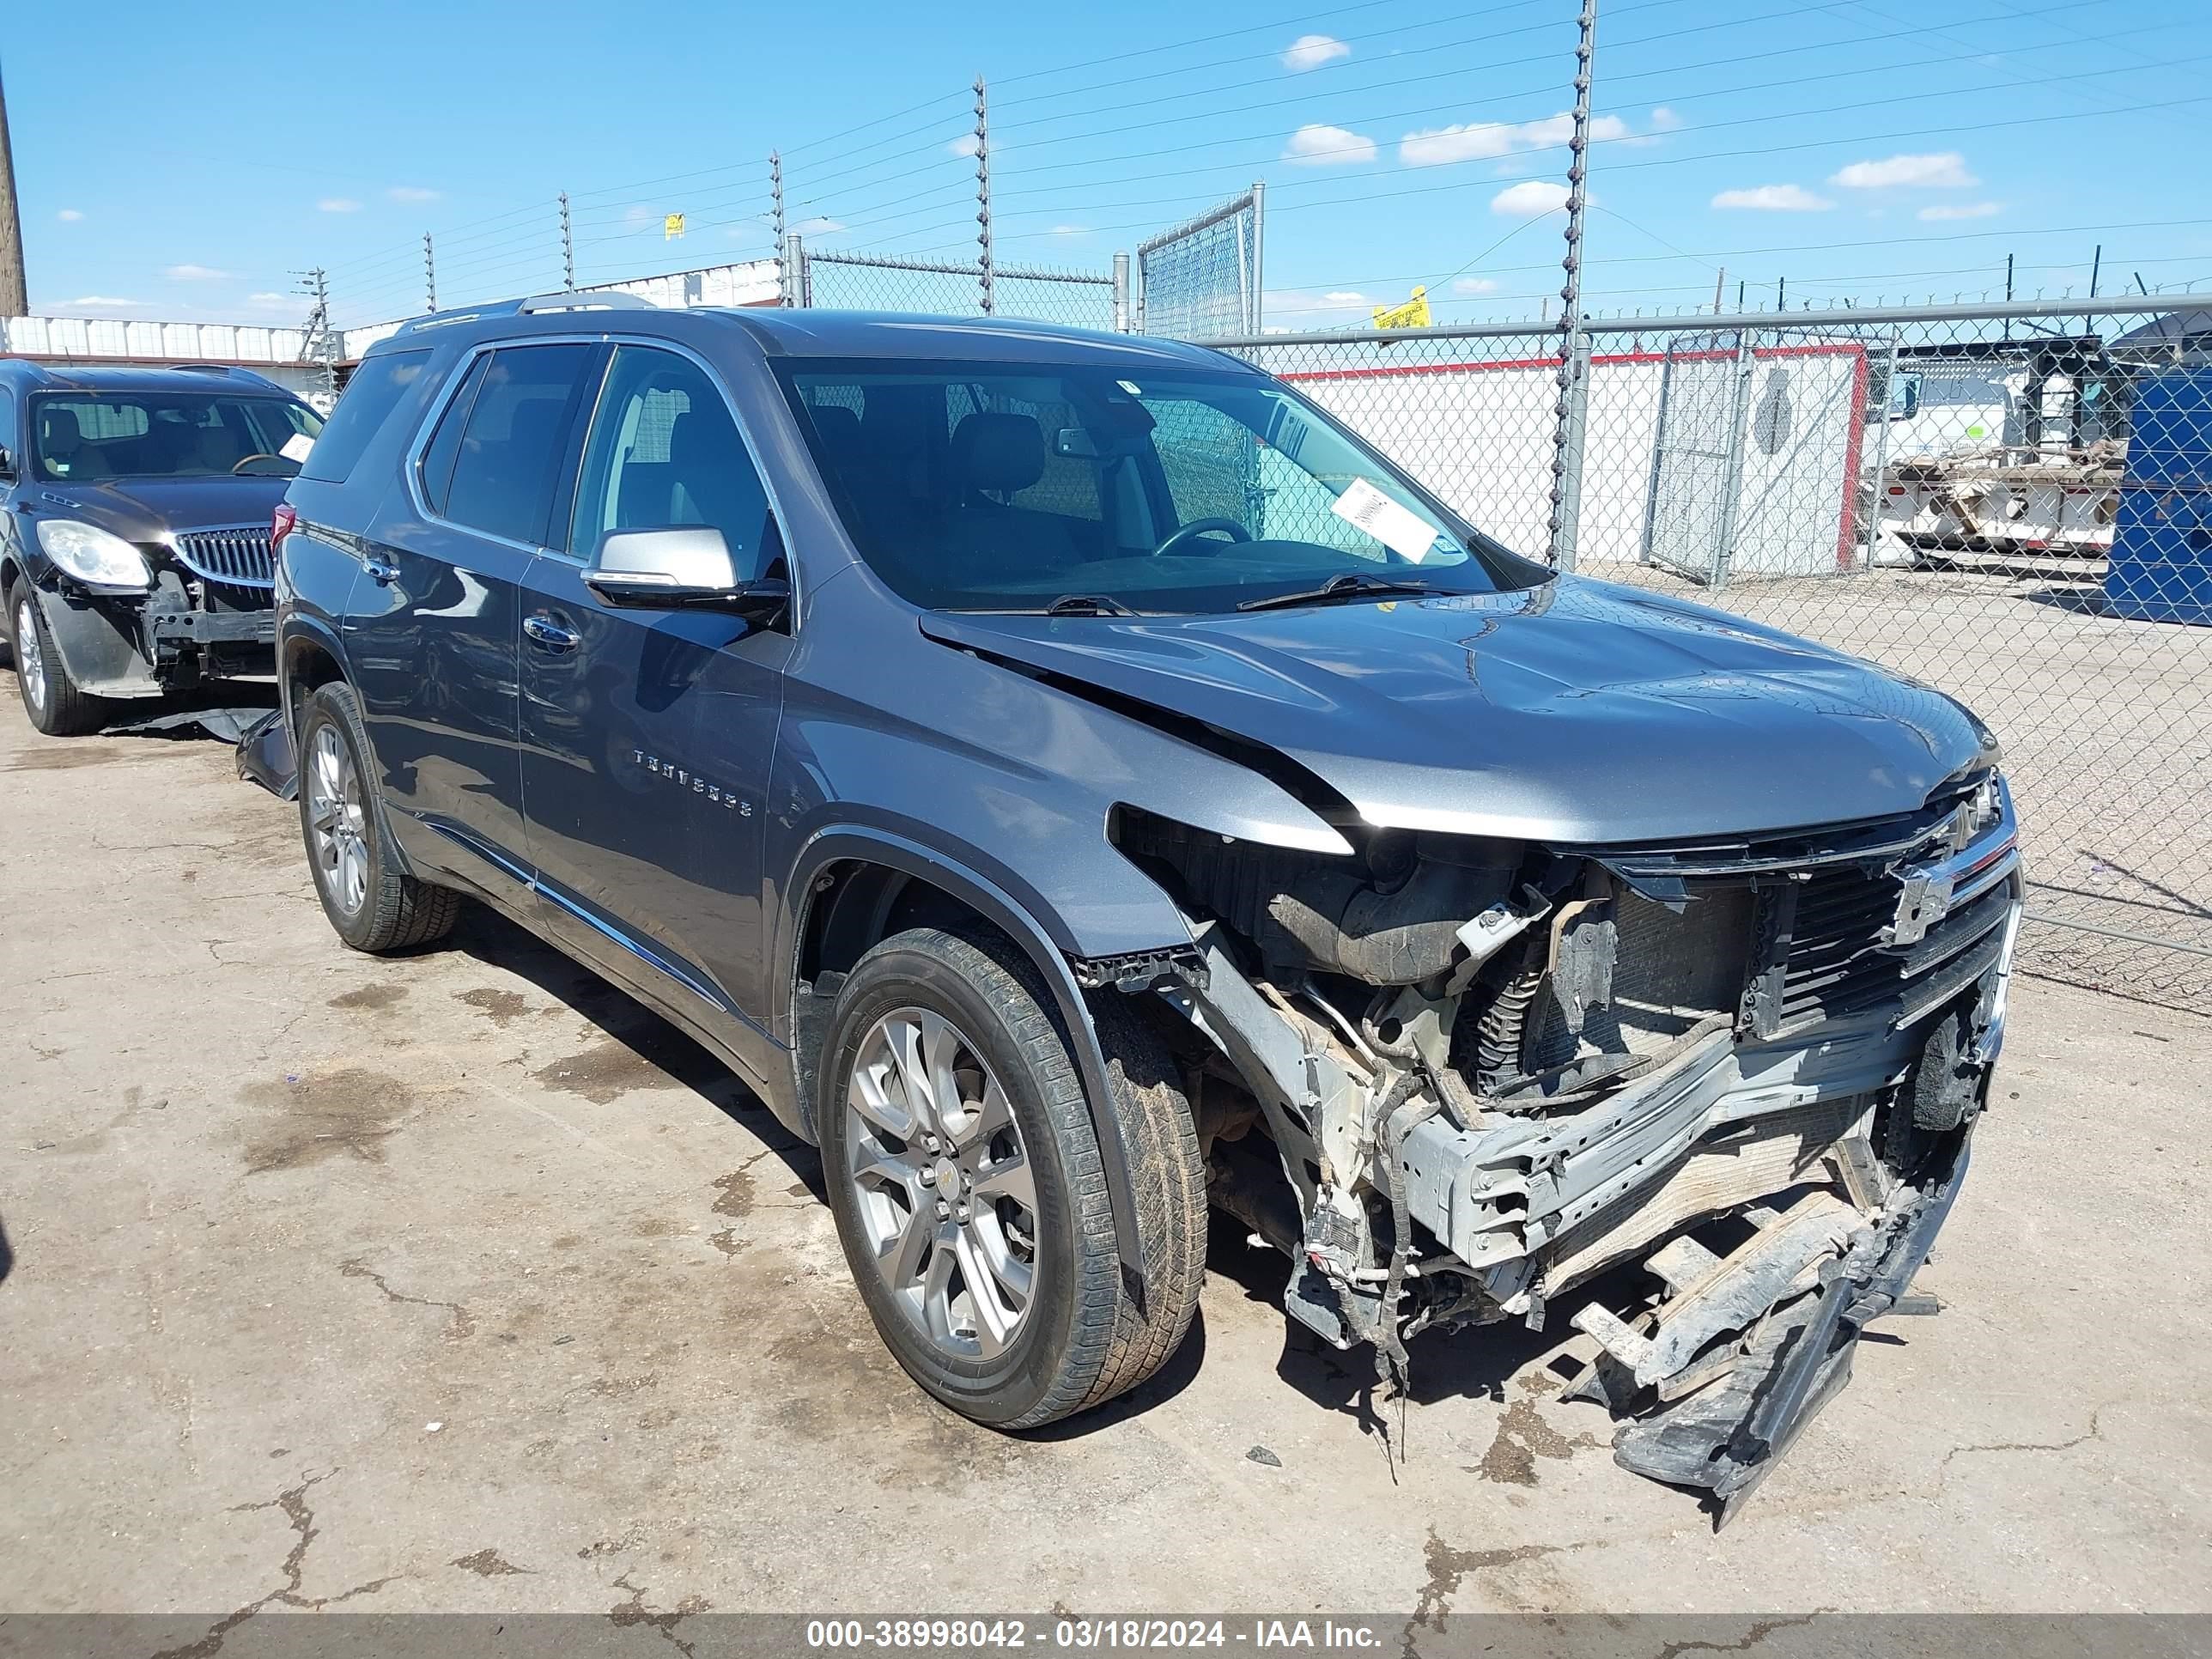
<point x="2012" y="503"/>
<point x="1201" y="281"/>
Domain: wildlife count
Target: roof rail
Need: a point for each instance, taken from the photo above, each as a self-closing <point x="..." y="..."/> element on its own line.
<point x="590" y="299"/>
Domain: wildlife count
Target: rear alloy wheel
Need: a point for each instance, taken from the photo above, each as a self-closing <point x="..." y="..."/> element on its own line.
<point x="965" y="1177"/>
<point x="371" y="904"/>
<point x="49" y="696"/>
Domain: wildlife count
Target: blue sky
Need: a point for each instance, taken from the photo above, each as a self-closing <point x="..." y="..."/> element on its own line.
<point x="190" y="160"/>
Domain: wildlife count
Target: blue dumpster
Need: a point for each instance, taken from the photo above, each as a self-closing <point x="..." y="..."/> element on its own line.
<point x="2162" y="563"/>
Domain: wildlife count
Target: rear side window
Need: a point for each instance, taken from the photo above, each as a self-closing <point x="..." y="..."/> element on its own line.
<point x="369" y="397"/>
<point x="511" y="448"/>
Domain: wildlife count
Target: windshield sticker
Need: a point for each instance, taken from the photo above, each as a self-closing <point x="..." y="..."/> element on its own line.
<point x="1400" y="529"/>
<point x="296" y="446"/>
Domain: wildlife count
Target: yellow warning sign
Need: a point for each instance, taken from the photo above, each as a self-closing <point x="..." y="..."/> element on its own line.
<point x="1414" y="313"/>
<point x="671" y="228"/>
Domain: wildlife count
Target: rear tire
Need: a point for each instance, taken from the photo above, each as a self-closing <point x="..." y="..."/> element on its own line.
<point x="371" y="904"/>
<point x="50" y="698"/>
<point x="1050" y="1327"/>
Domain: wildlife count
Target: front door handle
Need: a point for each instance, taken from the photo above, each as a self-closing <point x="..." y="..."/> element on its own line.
<point x="549" y="635"/>
<point x="380" y="571"/>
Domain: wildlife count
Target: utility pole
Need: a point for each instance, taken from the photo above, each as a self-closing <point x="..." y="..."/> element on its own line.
<point x="1572" y="407"/>
<point x="316" y="342"/>
<point x="567" y="248"/>
<point x="983" y="189"/>
<point x="14" y="295"/>
<point x="1720" y="283"/>
<point x="775" y="201"/>
<point x="429" y="274"/>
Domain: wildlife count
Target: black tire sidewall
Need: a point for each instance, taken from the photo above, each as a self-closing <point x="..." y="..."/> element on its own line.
<point x="332" y="706"/>
<point x="912" y="971"/>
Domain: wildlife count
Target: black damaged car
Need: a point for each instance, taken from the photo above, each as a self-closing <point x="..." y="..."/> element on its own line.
<point x="135" y="510"/>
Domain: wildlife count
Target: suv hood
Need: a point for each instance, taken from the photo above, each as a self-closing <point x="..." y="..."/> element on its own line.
<point x="149" y="509"/>
<point x="1577" y="711"/>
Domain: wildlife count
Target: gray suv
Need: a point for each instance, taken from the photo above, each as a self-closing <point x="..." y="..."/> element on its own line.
<point x="1078" y="782"/>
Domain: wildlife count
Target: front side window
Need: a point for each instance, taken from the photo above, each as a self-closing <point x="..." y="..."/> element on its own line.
<point x="87" y="437"/>
<point x="509" y="452"/>
<point x="663" y="453"/>
<point x="998" y="487"/>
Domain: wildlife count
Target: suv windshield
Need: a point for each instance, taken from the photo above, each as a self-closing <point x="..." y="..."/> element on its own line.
<point x="95" y="437"/>
<point x="1011" y="487"/>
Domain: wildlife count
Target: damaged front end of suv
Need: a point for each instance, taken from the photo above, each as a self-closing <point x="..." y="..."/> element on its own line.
<point x="1455" y="1078"/>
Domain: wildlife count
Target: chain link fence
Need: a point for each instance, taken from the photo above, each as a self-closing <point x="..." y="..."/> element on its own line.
<point x="2014" y="504"/>
<point x="1201" y="281"/>
<point x="867" y="282"/>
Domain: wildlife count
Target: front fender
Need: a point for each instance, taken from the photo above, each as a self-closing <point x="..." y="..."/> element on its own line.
<point x="944" y="869"/>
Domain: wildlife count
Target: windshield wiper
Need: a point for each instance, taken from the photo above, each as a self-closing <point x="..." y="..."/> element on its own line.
<point x="1087" y="605"/>
<point x="1352" y="585"/>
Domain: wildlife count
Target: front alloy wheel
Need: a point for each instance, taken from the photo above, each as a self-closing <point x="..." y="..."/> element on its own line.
<point x="942" y="1182"/>
<point x="50" y="698"/>
<point x="965" y="1174"/>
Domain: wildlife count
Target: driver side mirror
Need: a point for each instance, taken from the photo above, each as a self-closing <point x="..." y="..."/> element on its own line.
<point x="686" y="567"/>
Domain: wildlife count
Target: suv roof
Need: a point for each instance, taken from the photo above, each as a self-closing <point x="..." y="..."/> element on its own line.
<point x="812" y="333"/>
<point x="26" y="375"/>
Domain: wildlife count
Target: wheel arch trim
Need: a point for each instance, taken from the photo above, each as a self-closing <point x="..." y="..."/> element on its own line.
<point x="838" y="845"/>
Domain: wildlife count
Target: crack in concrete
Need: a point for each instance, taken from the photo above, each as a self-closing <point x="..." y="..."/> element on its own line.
<point x="1760" y="1630"/>
<point x="294" y="1503"/>
<point x="464" y="1324"/>
<point x="623" y="1614"/>
<point x="2094" y="1431"/>
<point x="1448" y="1568"/>
<point x="490" y="1563"/>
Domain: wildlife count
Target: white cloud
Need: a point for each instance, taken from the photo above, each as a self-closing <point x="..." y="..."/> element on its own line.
<point x="1310" y="52"/>
<point x="68" y="215"/>
<point x="1317" y="146"/>
<point x="964" y="145"/>
<point x="272" y="298"/>
<point x="411" y="193"/>
<point x="1959" y="210"/>
<point x="102" y="302"/>
<point x="1774" y="199"/>
<point x="195" y="274"/>
<point x="1944" y="170"/>
<point x="818" y="225"/>
<point x="1071" y="230"/>
<point x="1529" y="199"/>
<point x="338" y="205"/>
<point x="1473" y="285"/>
<point x="1483" y="141"/>
<point x="1296" y="303"/>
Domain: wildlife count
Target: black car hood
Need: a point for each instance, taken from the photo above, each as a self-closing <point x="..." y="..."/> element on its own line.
<point x="150" y="509"/>
<point x="1573" y="712"/>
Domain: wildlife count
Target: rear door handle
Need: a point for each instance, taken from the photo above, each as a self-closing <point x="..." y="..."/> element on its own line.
<point x="549" y="636"/>
<point x="380" y="571"/>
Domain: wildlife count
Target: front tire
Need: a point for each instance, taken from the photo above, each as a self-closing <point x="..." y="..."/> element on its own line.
<point x="966" y="1181"/>
<point x="50" y="698"/>
<point x="371" y="905"/>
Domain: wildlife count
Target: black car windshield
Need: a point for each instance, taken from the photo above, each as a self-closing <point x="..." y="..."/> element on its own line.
<point x="1017" y="486"/>
<point x="99" y="437"/>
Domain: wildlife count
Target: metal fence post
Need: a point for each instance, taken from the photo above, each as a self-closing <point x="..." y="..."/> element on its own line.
<point x="793" y="275"/>
<point x="983" y="189"/>
<point x="1571" y="409"/>
<point x="567" y="248"/>
<point x="1878" y="492"/>
<point x="1258" y="304"/>
<point x="775" y="224"/>
<point x="1121" y="293"/>
<point x="429" y="274"/>
<point x="1732" y="477"/>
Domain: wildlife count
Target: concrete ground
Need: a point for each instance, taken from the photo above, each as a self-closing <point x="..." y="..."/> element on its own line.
<point x="459" y="1283"/>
